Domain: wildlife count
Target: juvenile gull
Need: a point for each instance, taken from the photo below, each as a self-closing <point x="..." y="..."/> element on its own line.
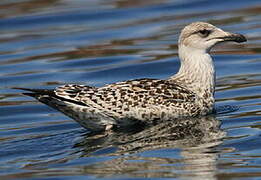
<point x="190" y="92"/>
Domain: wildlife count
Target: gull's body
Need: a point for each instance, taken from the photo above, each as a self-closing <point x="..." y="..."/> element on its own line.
<point x="190" y="92"/>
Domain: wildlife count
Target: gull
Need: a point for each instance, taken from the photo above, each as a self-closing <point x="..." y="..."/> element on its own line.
<point x="189" y="93"/>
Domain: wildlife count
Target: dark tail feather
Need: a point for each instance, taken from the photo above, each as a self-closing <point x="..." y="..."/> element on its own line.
<point x="36" y="91"/>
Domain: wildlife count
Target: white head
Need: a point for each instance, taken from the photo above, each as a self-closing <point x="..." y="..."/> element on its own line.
<point x="197" y="69"/>
<point x="203" y="36"/>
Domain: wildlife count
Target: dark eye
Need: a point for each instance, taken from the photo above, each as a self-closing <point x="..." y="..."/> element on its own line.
<point x="204" y="32"/>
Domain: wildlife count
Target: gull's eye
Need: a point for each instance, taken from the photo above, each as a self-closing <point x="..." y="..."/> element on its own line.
<point x="204" y="32"/>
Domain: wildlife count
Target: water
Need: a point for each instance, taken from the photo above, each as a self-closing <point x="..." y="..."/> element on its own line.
<point x="49" y="43"/>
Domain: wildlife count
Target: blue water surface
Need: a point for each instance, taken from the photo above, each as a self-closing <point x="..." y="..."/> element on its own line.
<point x="47" y="43"/>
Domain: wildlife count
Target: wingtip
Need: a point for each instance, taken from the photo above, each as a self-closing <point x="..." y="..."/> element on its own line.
<point x="35" y="91"/>
<point x="30" y="94"/>
<point x="25" y="89"/>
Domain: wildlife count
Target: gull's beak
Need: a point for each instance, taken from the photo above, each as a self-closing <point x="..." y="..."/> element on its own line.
<point x="239" y="38"/>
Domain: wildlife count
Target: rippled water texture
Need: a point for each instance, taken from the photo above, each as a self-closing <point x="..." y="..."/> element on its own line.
<point x="46" y="43"/>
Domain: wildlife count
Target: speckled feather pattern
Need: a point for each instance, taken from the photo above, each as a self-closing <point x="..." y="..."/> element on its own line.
<point x="125" y="102"/>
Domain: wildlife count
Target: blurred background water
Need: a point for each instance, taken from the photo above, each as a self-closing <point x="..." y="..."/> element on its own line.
<point x="46" y="43"/>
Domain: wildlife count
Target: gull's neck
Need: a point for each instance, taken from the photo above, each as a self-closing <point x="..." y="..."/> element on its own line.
<point x="196" y="72"/>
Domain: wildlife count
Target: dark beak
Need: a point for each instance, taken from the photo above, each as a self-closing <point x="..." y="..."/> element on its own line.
<point x="239" y="38"/>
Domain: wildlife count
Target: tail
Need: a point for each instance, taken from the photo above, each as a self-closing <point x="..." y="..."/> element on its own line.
<point x="67" y="106"/>
<point x="48" y="96"/>
<point x="45" y="96"/>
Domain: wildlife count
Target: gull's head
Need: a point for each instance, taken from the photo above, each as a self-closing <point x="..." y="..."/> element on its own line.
<point x="203" y="36"/>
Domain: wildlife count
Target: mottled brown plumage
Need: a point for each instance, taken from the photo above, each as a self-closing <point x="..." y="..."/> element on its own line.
<point x="188" y="93"/>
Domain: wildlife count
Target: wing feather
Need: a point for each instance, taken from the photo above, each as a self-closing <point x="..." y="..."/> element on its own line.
<point x="123" y="95"/>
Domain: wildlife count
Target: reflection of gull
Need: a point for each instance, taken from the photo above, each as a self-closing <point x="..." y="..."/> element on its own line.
<point x="181" y="148"/>
<point x="186" y="132"/>
<point x="194" y="138"/>
<point x="188" y="93"/>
